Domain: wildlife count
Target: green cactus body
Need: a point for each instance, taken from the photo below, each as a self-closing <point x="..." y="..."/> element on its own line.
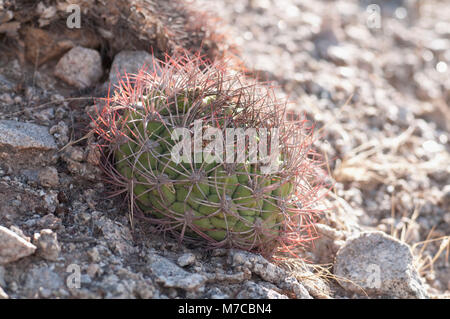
<point x="200" y="190"/>
<point x="225" y="202"/>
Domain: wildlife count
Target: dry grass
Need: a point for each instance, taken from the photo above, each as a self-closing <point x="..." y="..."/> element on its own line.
<point x="317" y="278"/>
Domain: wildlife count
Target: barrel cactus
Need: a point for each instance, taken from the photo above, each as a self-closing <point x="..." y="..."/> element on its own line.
<point x="210" y="156"/>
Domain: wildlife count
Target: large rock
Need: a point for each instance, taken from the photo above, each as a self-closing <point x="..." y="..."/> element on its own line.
<point x="80" y="67"/>
<point x="13" y="247"/>
<point x="379" y="265"/>
<point x="129" y="62"/>
<point x="21" y="136"/>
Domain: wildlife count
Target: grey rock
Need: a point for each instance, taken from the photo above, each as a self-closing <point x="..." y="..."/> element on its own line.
<point x="292" y="284"/>
<point x="118" y="236"/>
<point x="13" y="247"/>
<point x="2" y="276"/>
<point x="75" y="153"/>
<point x="80" y="67"/>
<point x="268" y="272"/>
<point x="326" y="246"/>
<point x="3" y="294"/>
<point x="60" y="132"/>
<point x="258" y="265"/>
<point x="129" y="62"/>
<point x="216" y="293"/>
<point x="25" y="136"/>
<point x="48" y="177"/>
<point x="255" y="291"/>
<point x="341" y="55"/>
<point x="47" y="244"/>
<point x="50" y="221"/>
<point x="186" y="259"/>
<point x="379" y="265"/>
<point x="6" y="99"/>
<point x="172" y="276"/>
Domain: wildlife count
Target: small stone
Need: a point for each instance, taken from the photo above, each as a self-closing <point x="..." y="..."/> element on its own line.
<point x="144" y="290"/>
<point x="6" y="16"/>
<point x="380" y="265"/>
<point x="10" y="28"/>
<point x="51" y="201"/>
<point x="46" y="115"/>
<point x="25" y="136"/>
<point x="186" y="259"/>
<point x="45" y="293"/>
<point x="13" y="247"/>
<point x="7" y="99"/>
<point x="93" y="154"/>
<point x="61" y="132"/>
<point x="94" y="255"/>
<point x="18" y="100"/>
<point x="93" y="270"/>
<point x="48" y="177"/>
<point x="50" y="221"/>
<point x="80" y="67"/>
<point x="83" y="218"/>
<point x="75" y="153"/>
<point x="341" y="55"/>
<point x="47" y="244"/>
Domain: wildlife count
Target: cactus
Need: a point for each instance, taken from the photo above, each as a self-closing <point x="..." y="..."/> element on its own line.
<point x="212" y="200"/>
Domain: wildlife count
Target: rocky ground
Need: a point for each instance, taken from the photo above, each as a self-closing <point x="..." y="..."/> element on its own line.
<point x="377" y="86"/>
